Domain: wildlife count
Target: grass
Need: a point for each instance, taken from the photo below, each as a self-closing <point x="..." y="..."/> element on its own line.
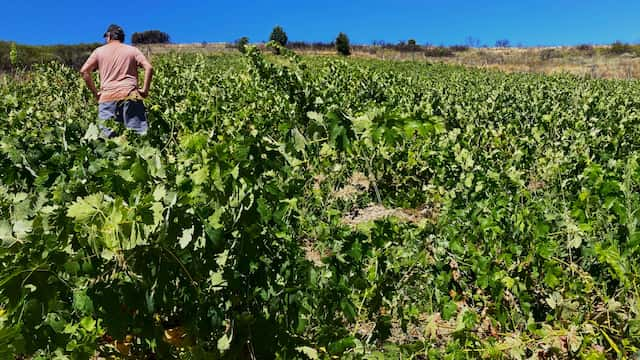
<point x="585" y="60"/>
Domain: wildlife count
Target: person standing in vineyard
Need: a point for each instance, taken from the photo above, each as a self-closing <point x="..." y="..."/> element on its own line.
<point x="119" y="97"/>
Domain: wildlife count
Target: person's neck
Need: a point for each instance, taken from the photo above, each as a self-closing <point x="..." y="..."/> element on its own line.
<point x="114" y="42"/>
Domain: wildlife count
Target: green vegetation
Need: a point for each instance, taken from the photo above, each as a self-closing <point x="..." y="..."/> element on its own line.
<point x="26" y="56"/>
<point x="242" y="43"/>
<point x="319" y="207"/>
<point x="13" y="55"/>
<point x="620" y="48"/>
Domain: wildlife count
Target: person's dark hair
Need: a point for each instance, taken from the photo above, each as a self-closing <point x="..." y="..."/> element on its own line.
<point x="115" y="32"/>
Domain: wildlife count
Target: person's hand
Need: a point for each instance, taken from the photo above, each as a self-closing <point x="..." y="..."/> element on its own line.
<point x="97" y="96"/>
<point x="144" y="93"/>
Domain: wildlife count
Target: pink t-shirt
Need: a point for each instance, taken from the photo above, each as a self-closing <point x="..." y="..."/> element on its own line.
<point x="118" y="65"/>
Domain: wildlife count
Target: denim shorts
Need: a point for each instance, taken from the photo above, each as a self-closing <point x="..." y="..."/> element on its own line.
<point x="131" y="113"/>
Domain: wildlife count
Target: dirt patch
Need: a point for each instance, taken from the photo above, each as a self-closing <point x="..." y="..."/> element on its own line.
<point x="377" y="212"/>
<point x="360" y="181"/>
<point x="427" y="327"/>
<point x="312" y="254"/>
<point x="318" y="180"/>
<point x="357" y="184"/>
<point x="535" y="185"/>
<point x="429" y="212"/>
<point x="371" y="213"/>
<point x="365" y="329"/>
<point x="347" y="192"/>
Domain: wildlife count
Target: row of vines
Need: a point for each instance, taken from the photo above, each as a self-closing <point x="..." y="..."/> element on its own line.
<point x="287" y="207"/>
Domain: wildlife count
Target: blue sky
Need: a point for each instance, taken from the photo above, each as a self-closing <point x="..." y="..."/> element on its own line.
<point x="543" y="22"/>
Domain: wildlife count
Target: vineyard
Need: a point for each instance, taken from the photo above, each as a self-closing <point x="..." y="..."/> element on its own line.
<point x="316" y="208"/>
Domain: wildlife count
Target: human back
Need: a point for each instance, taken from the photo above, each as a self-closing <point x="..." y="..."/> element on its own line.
<point x="119" y="97"/>
<point x="118" y="68"/>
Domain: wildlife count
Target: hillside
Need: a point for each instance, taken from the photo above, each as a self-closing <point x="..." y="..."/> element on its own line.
<point x="609" y="62"/>
<point x="592" y="61"/>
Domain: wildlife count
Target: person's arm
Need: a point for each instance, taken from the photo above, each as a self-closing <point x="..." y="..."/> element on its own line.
<point x="89" y="66"/>
<point x="148" y="75"/>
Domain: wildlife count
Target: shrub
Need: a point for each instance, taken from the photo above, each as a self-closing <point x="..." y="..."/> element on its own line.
<point x="459" y="48"/>
<point x="585" y="47"/>
<point x="409" y="46"/>
<point x="302" y="45"/>
<point x="13" y="55"/>
<point x="150" y="37"/>
<point x="342" y="44"/>
<point x="548" y="54"/>
<point x="412" y="45"/>
<point x="439" y="51"/>
<point x="619" y="47"/>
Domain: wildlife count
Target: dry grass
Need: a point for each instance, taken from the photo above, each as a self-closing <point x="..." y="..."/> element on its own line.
<point x="203" y="48"/>
<point x="548" y="60"/>
<point x="357" y="184"/>
<point x="595" y="63"/>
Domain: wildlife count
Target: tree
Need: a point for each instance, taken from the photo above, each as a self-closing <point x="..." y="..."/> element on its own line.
<point x="412" y="44"/>
<point x="242" y="43"/>
<point x="150" y="37"/>
<point x="342" y="44"/>
<point x="278" y="35"/>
